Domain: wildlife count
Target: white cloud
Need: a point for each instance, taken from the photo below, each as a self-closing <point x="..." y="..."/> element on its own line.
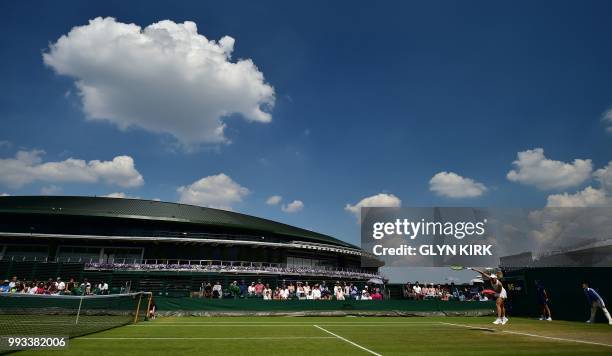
<point x="293" y="207"/>
<point x="452" y="185"/>
<point x="604" y="176"/>
<point x="28" y="167"/>
<point x="589" y="196"/>
<point x="274" y="200"/>
<point x="5" y="195"/>
<point x="120" y="195"/>
<point x="606" y="118"/>
<point x="378" y="200"/>
<point x="165" y="78"/>
<point x="217" y="191"/>
<point x="51" y="190"/>
<point x="533" y="168"/>
<point x="115" y="195"/>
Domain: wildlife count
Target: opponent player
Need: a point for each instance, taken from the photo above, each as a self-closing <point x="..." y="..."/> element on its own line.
<point x="500" y="295"/>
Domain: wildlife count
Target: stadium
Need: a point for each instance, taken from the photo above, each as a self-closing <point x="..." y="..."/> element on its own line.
<point x="110" y="236"/>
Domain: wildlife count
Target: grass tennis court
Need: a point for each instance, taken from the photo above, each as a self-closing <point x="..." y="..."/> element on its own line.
<point x="350" y="335"/>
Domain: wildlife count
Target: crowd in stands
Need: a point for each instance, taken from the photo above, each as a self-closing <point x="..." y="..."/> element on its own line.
<point x="292" y="290"/>
<point x="54" y="287"/>
<point x="301" y="270"/>
<point x="421" y="291"/>
<point x="285" y="291"/>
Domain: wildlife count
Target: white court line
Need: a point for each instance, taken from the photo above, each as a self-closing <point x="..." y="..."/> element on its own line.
<point x="352" y="321"/>
<point x="275" y="325"/>
<point x="557" y="338"/>
<point x="531" y="335"/>
<point x="80" y="323"/>
<point x="347" y="340"/>
<point x="208" y="338"/>
<point x="161" y="324"/>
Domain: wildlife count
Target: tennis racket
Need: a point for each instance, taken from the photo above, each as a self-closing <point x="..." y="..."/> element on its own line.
<point x="459" y="268"/>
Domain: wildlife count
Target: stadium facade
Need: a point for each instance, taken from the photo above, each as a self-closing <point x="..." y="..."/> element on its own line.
<point x="132" y="234"/>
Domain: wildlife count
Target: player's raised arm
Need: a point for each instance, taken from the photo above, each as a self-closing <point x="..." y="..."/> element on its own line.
<point x="484" y="274"/>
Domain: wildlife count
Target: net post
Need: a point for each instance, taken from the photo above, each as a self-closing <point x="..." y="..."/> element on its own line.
<point x="79" y="310"/>
<point x="137" y="308"/>
<point x="150" y="297"/>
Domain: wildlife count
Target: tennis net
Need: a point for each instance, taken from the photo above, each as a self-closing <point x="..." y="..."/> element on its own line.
<point x="25" y="314"/>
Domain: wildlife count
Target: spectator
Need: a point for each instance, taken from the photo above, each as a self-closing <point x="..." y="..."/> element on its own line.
<point x="291" y="289"/>
<point x="243" y="289"/>
<point x="267" y="292"/>
<point x="284" y="293"/>
<point x="61" y="286"/>
<point x="40" y="289"/>
<point x="339" y="293"/>
<point x="85" y="287"/>
<point x="4" y="288"/>
<point x="217" y="290"/>
<point x="33" y="288"/>
<point x="13" y="282"/>
<point x="208" y="290"/>
<point x="417" y="291"/>
<point x="234" y="290"/>
<point x="251" y="289"/>
<point x="259" y="288"/>
<point x="103" y="287"/>
<point x="300" y="294"/>
<point x="347" y="290"/>
<point x="307" y="289"/>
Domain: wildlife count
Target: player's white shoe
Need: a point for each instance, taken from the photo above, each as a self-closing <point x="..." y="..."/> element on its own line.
<point x="549" y="319"/>
<point x="504" y="321"/>
<point x="497" y="321"/>
<point x="588" y="321"/>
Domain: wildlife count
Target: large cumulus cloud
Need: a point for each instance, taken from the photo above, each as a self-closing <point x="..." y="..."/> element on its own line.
<point x="164" y="78"/>
<point x="533" y="168"/>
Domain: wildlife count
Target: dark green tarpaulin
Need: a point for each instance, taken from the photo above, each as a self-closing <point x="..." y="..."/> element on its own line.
<point x="256" y="305"/>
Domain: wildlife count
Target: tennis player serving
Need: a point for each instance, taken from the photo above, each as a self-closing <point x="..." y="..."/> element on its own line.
<point x="500" y="295"/>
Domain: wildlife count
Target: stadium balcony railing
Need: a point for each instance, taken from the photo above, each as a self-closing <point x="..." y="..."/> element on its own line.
<point x="169" y="264"/>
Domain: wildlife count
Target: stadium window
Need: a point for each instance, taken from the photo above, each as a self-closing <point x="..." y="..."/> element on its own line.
<point x="28" y="252"/>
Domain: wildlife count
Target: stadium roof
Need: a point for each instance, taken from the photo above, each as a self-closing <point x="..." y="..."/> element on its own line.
<point x="154" y="211"/>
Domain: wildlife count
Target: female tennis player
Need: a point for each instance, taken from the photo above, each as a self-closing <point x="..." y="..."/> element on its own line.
<point x="500" y="295"/>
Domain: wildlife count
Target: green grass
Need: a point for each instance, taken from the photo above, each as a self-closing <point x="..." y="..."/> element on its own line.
<point x="385" y="336"/>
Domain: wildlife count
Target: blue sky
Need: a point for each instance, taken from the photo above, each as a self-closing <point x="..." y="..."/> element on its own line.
<point x="369" y="98"/>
